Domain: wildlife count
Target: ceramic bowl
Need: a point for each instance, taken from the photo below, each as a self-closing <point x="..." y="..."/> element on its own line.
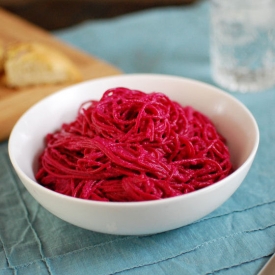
<point x="232" y="119"/>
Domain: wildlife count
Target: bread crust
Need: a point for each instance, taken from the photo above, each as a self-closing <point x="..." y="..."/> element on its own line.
<point x="2" y="53"/>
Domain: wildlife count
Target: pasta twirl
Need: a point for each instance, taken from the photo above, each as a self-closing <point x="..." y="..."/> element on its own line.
<point x="133" y="146"/>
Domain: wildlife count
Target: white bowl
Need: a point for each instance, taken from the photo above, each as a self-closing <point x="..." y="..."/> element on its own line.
<point x="232" y="119"/>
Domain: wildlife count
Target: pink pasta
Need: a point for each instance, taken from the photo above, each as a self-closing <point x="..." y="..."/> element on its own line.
<point x="133" y="146"/>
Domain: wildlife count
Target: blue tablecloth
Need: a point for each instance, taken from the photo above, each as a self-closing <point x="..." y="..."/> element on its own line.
<point x="236" y="239"/>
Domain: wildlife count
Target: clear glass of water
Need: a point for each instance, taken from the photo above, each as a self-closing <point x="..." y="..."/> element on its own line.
<point x="242" y="45"/>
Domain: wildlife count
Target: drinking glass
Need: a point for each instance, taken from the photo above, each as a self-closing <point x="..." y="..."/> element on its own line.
<point x="242" y="48"/>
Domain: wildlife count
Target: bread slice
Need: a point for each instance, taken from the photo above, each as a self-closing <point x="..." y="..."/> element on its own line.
<point x="33" y="63"/>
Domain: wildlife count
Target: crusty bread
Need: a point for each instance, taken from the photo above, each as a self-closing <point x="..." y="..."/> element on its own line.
<point x="33" y="63"/>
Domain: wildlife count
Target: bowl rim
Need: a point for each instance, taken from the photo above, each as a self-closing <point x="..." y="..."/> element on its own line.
<point x="199" y="192"/>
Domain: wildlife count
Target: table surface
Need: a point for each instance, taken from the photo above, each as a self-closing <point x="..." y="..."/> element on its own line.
<point x="76" y="11"/>
<point x="238" y="238"/>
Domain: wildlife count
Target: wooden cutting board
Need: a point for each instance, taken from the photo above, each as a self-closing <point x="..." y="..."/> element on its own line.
<point x="14" y="102"/>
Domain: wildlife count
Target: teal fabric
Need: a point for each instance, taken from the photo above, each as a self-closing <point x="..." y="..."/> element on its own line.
<point x="236" y="239"/>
